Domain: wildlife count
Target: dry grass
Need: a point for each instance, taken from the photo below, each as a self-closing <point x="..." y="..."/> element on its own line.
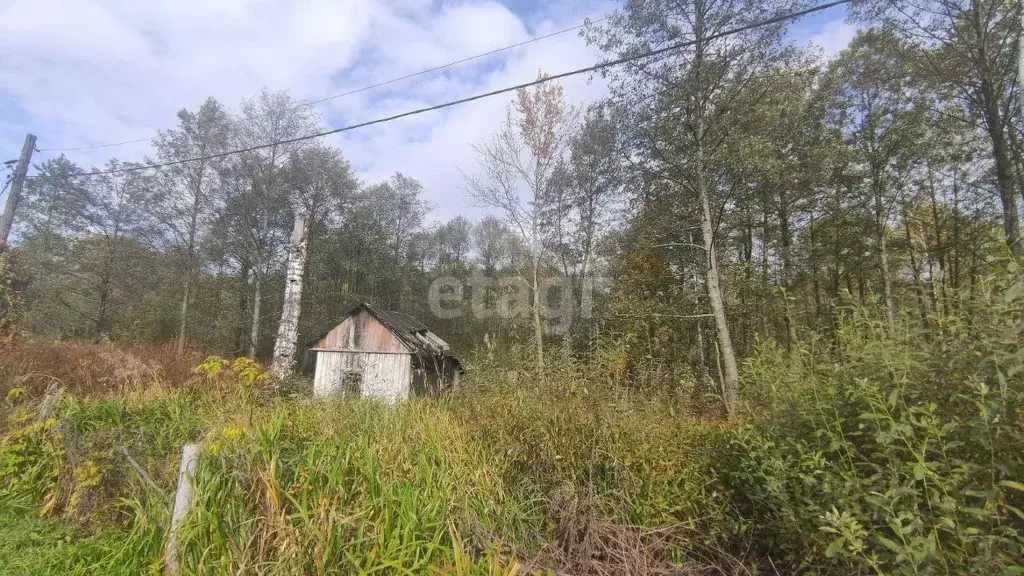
<point x="91" y="370"/>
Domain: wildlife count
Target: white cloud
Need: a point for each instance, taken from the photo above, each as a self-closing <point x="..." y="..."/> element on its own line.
<point x="833" y="37"/>
<point x="97" y="71"/>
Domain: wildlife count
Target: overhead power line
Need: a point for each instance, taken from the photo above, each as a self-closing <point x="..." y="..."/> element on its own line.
<point x="372" y="86"/>
<point x="457" y="62"/>
<point x="98" y="146"/>
<point x="593" y="68"/>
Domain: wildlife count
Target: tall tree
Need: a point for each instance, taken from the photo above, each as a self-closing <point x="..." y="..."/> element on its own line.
<point x="453" y="243"/>
<point x="580" y="203"/>
<point x="256" y="198"/>
<point x="968" y="46"/>
<point x="883" y="123"/>
<point x="517" y="166"/>
<point x="319" y="183"/>
<point x="116" y="216"/>
<point x="186" y="205"/>
<point x="684" y="107"/>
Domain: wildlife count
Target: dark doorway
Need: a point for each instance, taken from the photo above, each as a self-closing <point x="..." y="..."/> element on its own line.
<point x="351" y="384"/>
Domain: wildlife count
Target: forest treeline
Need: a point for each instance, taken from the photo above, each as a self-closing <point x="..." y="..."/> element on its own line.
<point x="739" y="188"/>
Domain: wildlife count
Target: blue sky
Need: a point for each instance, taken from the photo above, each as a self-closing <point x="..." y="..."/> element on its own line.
<point x="97" y="71"/>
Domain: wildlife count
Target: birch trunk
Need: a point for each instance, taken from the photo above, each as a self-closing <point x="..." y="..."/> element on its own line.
<point x="254" y="331"/>
<point x="883" y="257"/>
<point x="180" y="346"/>
<point x="288" y="330"/>
<point x="730" y="372"/>
<point x="785" y="242"/>
<point x="190" y="260"/>
<point x="727" y="356"/>
<point x="538" y="329"/>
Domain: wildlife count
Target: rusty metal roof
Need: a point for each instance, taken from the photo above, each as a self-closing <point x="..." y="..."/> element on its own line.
<point x="414" y="333"/>
<point x="409" y="330"/>
<point x="398" y="321"/>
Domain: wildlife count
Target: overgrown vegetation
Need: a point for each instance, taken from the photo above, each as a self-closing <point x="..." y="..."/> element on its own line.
<point x="807" y="357"/>
<point x="893" y="450"/>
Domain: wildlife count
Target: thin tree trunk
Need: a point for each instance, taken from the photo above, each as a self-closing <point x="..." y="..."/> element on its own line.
<point x="180" y="347"/>
<point x="785" y="243"/>
<point x="922" y="301"/>
<point x="994" y="125"/>
<point x="883" y="257"/>
<point x="764" y="268"/>
<point x="189" y="263"/>
<point x="730" y="371"/>
<point x="103" y="310"/>
<point x="727" y="356"/>
<point x="288" y="330"/>
<point x="538" y="329"/>
<point x="254" y="330"/>
<point x="103" y="321"/>
<point x="941" y="298"/>
<point x="241" y="337"/>
<point x="815" y="271"/>
<point x="954" y="266"/>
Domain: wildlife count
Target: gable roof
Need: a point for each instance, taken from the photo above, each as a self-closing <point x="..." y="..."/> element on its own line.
<point x="409" y="330"/>
<point x="398" y="321"/>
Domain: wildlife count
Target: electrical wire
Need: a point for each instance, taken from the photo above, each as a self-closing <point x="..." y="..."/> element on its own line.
<point x="545" y="79"/>
<point x="309" y="103"/>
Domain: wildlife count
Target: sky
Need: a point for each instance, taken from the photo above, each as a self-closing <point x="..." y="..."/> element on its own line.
<point x="92" y="72"/>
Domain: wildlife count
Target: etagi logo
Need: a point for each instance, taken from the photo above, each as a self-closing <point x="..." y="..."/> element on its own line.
<point x="512" y="297"/>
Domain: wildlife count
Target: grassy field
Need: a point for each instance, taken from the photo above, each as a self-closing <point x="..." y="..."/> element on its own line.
<point x="890" y="450"/>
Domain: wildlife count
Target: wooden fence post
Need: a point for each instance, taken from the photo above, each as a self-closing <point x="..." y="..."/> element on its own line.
<point x="182" y="503"/>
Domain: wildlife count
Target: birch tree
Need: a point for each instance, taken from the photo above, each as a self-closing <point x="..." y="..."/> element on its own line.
<point x="682" y="110"/>
<point x="516" y="167"/>
<point x="319" y="183"/>
<point x="256" y="198"/>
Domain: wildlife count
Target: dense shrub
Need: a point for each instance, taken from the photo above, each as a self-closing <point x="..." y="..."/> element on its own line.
<point x="901" y="455"/>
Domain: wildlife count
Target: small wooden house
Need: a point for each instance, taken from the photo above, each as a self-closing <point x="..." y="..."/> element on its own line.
<point x="382" y="354"/>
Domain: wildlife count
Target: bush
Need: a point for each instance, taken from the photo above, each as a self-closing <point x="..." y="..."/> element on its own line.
<point x="902" y="455"/>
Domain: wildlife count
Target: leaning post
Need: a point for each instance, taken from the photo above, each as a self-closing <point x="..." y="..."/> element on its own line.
<point x="182" y="503"/>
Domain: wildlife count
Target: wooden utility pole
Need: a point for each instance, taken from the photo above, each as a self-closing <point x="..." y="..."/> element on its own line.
<point x="17" y="181"/>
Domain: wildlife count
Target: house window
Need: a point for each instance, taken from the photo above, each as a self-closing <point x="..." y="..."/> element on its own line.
<point x="351" y="384"/>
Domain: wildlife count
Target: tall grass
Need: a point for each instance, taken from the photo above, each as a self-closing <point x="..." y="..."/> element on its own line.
<point x="892" y="450"/>
<point x="348" y="487"/>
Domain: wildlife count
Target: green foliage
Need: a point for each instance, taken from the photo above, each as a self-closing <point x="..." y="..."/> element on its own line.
<point x="7" y="295"/>
<point x="903" y="456"/>
<point x="346" y="487"/>
<point x="35" y="546"/>
<point x="897" y="450"/>
<point x="633" y="457"/>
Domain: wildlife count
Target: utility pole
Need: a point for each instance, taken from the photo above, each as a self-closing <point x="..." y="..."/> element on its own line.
<point x="17" y="181"/>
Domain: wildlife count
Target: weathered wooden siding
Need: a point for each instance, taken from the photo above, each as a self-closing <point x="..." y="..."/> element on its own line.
<point x="361" y="332"/>
<point x="386" y="376"/>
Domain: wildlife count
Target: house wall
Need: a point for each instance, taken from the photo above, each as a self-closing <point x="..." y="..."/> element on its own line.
<point x="386" y="376"/>
<point x="362" y="332"/>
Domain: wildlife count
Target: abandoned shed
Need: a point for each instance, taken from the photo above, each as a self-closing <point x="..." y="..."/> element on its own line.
<point x="381" y="354"/>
